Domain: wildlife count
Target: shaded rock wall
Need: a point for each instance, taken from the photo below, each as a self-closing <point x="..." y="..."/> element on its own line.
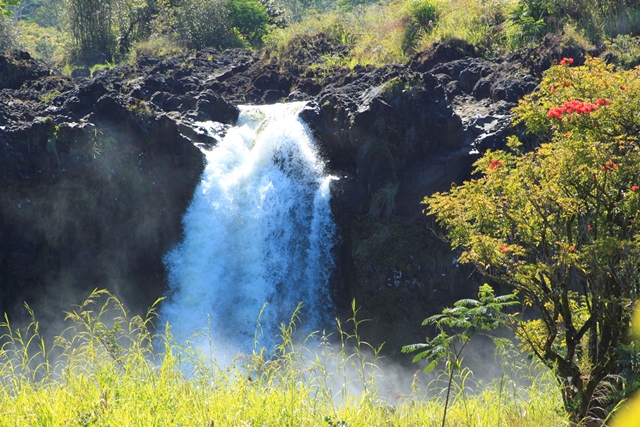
<point x="95" y="182"/>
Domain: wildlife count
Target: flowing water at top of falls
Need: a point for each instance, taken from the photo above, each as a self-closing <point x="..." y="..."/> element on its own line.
<point x="257" y="238"/>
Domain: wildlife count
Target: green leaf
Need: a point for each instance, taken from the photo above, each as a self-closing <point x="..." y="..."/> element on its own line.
<point x="430" y="367"/>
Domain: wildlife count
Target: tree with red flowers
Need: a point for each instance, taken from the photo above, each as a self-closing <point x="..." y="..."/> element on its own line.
<point x="561" y="226"/>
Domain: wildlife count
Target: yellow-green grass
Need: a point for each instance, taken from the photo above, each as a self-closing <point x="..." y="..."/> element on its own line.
<point x="110" y="371"/>
<point x="381" y="33"/>
<point x="391" y="31"/>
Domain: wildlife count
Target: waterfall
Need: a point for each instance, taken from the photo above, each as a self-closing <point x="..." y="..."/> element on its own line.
<point x="257" y="239"/>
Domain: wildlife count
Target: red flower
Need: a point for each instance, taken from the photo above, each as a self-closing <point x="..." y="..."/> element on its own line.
<point x="609" y="166"/>
<point x="556" y="112"/>
<point x="567" y="133"/>
<point x="566" y="84"/>
<point x="623" y="87"/>
<point x="504" y="249"/>
<point x="495" y="163"/>
<point x="572" y="248"/>
<point x="566" y="61"/>
<point x="590" y="228"/>
<point x="635" y="188"/>
<point x="601" y="101"/>
<point x="569" y="107"/>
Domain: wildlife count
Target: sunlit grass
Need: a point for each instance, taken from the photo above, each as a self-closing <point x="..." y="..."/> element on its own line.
<point x="390" y="32"/>
<point x="109" y="370"/>
<point x="479" y="23"/>
<point x="386" y="33"/>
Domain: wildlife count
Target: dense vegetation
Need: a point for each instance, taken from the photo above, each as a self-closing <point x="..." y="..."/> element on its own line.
<point x="561" y="226"/>
<point x="371" y="32"/>
<point x="105" y="370"/>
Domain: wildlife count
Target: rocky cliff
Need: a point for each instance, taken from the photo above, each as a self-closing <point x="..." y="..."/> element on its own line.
<point x="96" y="172"/>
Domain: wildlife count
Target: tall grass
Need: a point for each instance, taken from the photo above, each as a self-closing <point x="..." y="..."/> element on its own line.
<point x="108" y="369"/>
<point x="392" y="31"/>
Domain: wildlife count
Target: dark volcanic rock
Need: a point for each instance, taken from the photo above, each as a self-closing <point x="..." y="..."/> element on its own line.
<point x="94" y="184"/>
<point x="96" y="173"/>
<point x="17" y="67"/>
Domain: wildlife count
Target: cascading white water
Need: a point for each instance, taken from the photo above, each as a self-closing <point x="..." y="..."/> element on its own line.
<point x="258" y="231"/>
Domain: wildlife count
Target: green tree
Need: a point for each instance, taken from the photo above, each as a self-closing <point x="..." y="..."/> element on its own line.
<point x="204" y="23"/>
<point x="357" y="7"/>
<point x="561" y="224"/>
<point x="133" y="19"/>
<point x="103" y="29"/>
<point x="5" y="6"/>
<point x="249" y="18"/>
<point x="91" y="25"/>
<point x="8" y="34"/>
<point x="48" y="13"/>
<point x="470" y="317"/>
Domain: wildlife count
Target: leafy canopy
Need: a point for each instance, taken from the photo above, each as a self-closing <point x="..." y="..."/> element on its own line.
<point x="5" y="5"/>
<point x="561" y="224"/>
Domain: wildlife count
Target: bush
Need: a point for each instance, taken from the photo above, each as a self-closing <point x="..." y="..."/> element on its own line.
<point x="561" y="225"/>
<point x="421" y="15"/>
<point x="8" y="34"/>
<point x="203" y="23"/>
<point x="158" y="46"/>
<point x="45" y="43"/>
<point x="249" y="18"/>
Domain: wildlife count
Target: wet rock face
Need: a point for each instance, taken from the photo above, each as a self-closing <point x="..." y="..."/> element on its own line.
<point x="94" y="186"/>
<point x="396" y="135"/>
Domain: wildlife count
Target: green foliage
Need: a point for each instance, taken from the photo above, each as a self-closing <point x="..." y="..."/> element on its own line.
<point x="383" y="202"/>
<point x="423" y="12"/>
<point x="377" y="33"/>
<point x="45" y="43"/>
<point x="91" y="24"/>
<point x="626" y="50"/>
<point x="561" y="225"/>
<point x="46" y="13"/>
<point x="108" y="368"/>
<point x="106" y="29"/>
<point x="421" y="18"/>
<point x="526" y="23"/>
<point x="357" y="7"/>
<point x="469" y="317"/>
<point x="8" y="34"/>
<point x="529" y="20"/>
<point x="132" y="19"/>
<point x="5" y="5"/>
<point x="204" y="23"/>
<point x="97" y="67"/>
<point x="249" y="18"/>
<point x="141" y="113"/>
<point x="157" y="46"/>
<point x="374" y="33"/>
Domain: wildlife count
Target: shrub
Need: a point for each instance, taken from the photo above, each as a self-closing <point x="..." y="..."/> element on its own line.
<point x="561" y="225"/>
<point x="158" y="46"/>
<point x="8" y="34"/>
<point x="249" y="18"/>
<point x="626" y="50"/>
<point x="421" y="15"/>
<point x="204" y="23"/>
<point x="45" y="43"/>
